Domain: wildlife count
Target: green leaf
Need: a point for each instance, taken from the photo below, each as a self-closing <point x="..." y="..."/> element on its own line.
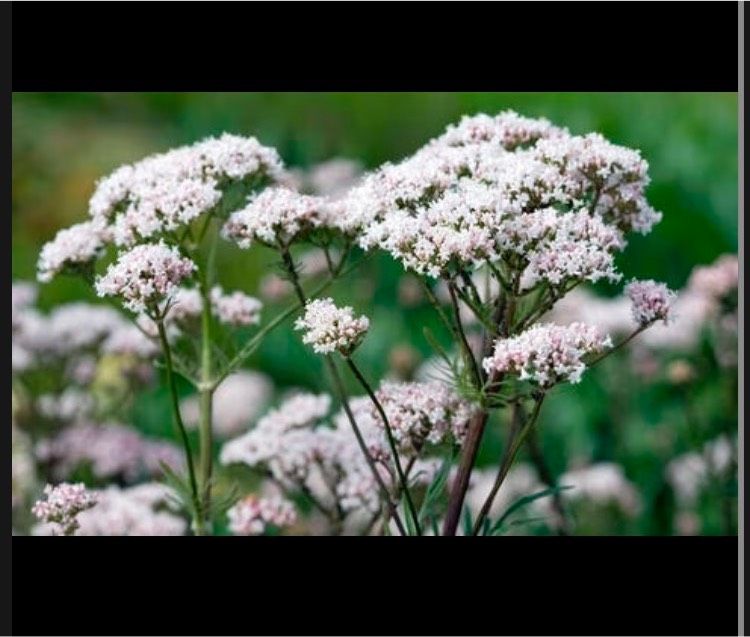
<point x="522" y="502"/>
<point x="410" y="528"/>
<point x="434" y="491"/>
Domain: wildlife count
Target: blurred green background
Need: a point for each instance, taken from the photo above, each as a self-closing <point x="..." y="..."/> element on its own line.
<point x="64" y="142"/>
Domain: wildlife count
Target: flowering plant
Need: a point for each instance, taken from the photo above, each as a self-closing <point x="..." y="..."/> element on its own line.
<point x="499" y="221"/>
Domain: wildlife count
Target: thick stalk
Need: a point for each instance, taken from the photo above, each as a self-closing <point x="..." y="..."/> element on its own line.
<point x="517" y="437"/>
<point x="470" y="447"/>
<point x="177" y="420"/>
<point x="206" y="411"/>
<point x="403" y="484"/>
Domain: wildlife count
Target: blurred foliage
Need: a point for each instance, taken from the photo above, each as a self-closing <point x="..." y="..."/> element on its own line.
<point x="64" y="142"/>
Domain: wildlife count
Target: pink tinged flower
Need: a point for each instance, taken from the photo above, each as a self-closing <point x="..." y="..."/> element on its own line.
<point x="167" y="191"/>
<point x="275" y="215"/>
<point x="329" y="328"/>
<point x="61" y="506"/>
<point x="145" y="276"/>
<point x="252" y="515"/>
<point x="72" y="247"/>
<point x="547" y="354"/>
<point x="650" y="301"/>
<point x="236" y="309"/>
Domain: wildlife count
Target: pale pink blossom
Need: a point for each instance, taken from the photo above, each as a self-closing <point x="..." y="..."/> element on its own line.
<point x="651" y="301"/>
<point x="145" y="276"/>
<point x="253" y="515"/>
<point x="547" y="354"/>
<point x="329" y="328"/>
<point x="72" y="247"/>
<point x="61" y="506"/>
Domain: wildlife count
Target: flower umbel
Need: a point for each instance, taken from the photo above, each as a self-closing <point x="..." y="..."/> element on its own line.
<point x="330" y="328"/>
<point x="547" y="354"/>
<point x="651" y="301"/>
<point x="62" y="504"/>
<point x="145" y="276"/>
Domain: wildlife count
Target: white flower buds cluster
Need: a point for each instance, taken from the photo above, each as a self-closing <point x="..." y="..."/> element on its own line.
<point x="329" y="328"/>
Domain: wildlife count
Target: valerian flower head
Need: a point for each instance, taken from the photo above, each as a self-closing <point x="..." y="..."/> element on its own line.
<point x="547" y="354"/>
<point x="253" y="515"/>
<point x="493" y="187"/>
<point x="276" y="215"/>
<point x="650" y="301"/>
<point x="164" y="192"/>
<point x="61" y="506"/>
<point x="72" y="248"/>
<point x="329" y="328"/>
<point x="145" y="276"/>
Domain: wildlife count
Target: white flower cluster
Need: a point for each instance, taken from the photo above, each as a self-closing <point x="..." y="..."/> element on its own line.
<point x="166" y="191"/>
<point x="276" y="215"/>
<point x="145" y="276"/>
<point x="329" y="328"/>
<point x="23" y="468"/>
<point x="72" y="247"/>
<point x="72" y="404"/>
<point x="62" y="505"/>
<point x="718" y="279"/>
<point x="252" y="515"/>
<point x="334" y="177"/>
<point x="492" y="187"/>
<point x="651" y="301"/>
<point x="237" y="402"/>
<point x="690" y="473"/>
<point x="602" y="483"/>
<point x="420" y="413"/>
<point x="111" y="450"/>
<point x="547" y="354"/>
<point x="236" y="308"/>
<point x="283" y="440"/>
<point x="59" y="336"/>
<point x="142" y="510"/>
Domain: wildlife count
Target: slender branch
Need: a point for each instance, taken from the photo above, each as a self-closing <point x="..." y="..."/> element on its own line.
<point x="514" y="444"/>
<point x="292" y="271"/>
<point x="462" y="336"/>
<point x="363" y="445"/>
<point x="620" y="345"/>
<point x="404" y="486"/>
<point x="177" y="420"/>
<point x="436" y="304"/>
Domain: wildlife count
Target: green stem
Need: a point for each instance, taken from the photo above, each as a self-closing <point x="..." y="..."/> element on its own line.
<point x="404" y="485"/>
<point x="206" y="392"/>
<point x="177" y="419"/>
<point x="462" y="336"/>
<point x="517" y="438"/>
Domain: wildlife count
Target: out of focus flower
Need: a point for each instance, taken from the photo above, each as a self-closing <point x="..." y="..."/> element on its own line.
<point x="237" y="402"/>
<point x="236" y="308"/>
<point x="111" y="450"/>
<point x="689" y="473"/>
<point x="334" y="177"/>
<point x="603" y="483"/>
<point x="680" y="372"/>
